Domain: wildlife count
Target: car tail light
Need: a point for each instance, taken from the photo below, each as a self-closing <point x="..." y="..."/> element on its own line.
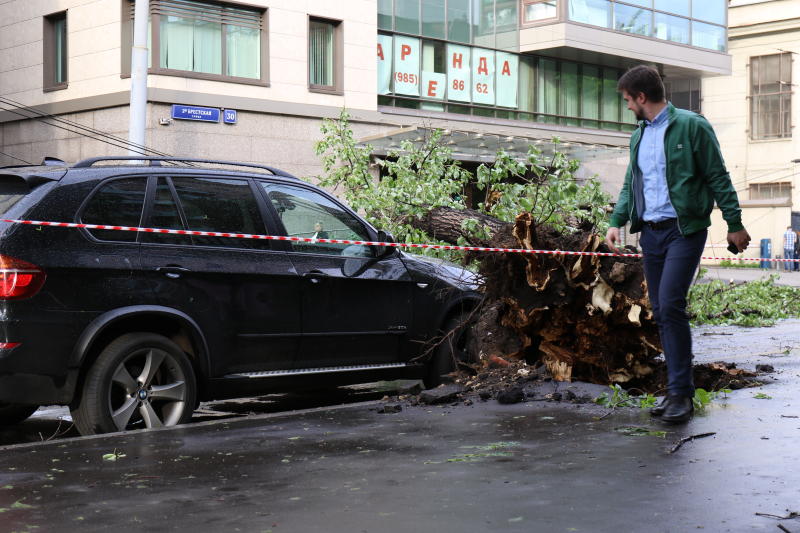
<point x="19" y="279"/>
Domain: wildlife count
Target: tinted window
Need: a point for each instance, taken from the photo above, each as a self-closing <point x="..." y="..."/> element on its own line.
<point x="306" y="213"/>
<point x="224" y="205"/>
<point x="12" y="190"/>
<point x="117" y="203"/>
<point x="164" y="214"/>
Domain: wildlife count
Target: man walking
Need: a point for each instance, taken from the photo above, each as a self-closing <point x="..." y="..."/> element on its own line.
<point x="675" y="174"/>
<point x="789" y="240"/>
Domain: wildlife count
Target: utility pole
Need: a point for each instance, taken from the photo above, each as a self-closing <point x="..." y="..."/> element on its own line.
<point x="138" y="106"/>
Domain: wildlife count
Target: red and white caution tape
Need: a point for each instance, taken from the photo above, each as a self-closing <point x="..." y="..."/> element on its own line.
<point x="347" y="241"/>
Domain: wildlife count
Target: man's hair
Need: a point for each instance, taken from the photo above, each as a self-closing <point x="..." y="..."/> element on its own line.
<point x="642" y="80"/>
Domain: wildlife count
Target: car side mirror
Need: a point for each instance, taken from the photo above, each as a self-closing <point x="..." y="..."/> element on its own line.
<point x="383" y="251"/>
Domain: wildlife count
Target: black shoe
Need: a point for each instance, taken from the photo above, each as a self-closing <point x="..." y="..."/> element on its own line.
<point x="679" y="409"/>
<point x="659" y="409"/>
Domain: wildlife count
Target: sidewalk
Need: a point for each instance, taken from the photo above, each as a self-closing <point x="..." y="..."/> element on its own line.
<point x="752" y="274"/>
<point x="529" y="467"/>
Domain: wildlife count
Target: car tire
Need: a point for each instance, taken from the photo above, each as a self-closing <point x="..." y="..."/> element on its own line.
<point x="450" y="350"/>
<point x="140" y="380"/>
<point x="14" y="413"/>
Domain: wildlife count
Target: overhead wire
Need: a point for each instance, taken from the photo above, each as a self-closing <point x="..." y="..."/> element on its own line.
<point x="41" y="114"/>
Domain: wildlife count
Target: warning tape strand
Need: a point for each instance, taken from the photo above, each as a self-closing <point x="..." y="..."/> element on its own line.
<point x="200" y="233"/>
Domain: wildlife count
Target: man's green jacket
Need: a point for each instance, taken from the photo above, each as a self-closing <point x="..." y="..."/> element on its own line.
<point x="696" y="177"/>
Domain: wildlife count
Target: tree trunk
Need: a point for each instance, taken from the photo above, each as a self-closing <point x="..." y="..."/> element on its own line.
<point x="584" y="317"/>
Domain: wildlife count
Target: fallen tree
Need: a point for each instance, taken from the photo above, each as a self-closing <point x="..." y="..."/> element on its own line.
<point x="583" y="317"/>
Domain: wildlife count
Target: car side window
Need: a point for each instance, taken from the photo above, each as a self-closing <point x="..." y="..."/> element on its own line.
<point x="164" y="215"/>
<point x="116" y="203"/>
<point x="223" y="205"/>
<point x="306" y="213"/>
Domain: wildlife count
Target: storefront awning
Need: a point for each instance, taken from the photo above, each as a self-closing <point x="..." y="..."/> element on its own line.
<point x="482" y="147"/>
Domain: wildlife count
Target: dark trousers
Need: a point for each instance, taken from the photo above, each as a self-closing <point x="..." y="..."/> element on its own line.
<point x="670" y="261"/>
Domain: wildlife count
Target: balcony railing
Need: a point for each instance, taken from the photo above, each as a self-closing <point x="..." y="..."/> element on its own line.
<point x="699" y="23"/>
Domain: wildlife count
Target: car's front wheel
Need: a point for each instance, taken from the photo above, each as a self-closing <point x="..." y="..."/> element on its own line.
<point x="14" y="413"/>
<point x="456" y="346"/>
<point x="140" y="380"/>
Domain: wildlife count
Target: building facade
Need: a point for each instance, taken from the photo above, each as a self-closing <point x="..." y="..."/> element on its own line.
<point x="754" y="112"/>
<point x="490" y="73"/>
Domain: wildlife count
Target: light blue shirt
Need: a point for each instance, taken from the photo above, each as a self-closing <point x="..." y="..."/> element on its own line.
<point x="653" y="165"/>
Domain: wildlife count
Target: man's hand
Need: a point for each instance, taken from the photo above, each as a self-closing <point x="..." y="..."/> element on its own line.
<point x="739" y="239"/>
<point x="612" y="236"/>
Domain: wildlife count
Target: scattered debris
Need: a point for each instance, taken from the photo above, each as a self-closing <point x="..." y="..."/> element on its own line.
<point x="684" y="440"/>
<point x="441" y="394"/>
<point x="765" y="368"/>
<point x="790" y="516"/>
<point x="390" y="408"/>
<point x="513" y="394"/>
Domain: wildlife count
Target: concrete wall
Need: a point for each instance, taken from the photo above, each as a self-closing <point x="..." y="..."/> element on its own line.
<point x="94" y="35"/>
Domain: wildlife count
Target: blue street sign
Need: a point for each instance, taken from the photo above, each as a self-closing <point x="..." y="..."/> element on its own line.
<point x="193" y="112"/>
<point x="229" y="116"/>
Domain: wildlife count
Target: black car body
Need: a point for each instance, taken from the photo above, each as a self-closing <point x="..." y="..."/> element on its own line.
<point x="88" y="315"/>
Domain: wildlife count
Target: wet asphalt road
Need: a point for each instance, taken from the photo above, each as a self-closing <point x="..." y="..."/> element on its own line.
<point x="532" y="467"/>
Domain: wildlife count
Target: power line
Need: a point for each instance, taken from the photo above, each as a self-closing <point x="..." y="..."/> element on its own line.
<point x="14" y="157"/>
<point x="41" y="114"/>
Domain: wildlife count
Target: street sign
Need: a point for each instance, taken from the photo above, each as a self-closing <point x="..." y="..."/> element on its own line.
<point x="191" y="112"/>
<point x="229" y="116"/>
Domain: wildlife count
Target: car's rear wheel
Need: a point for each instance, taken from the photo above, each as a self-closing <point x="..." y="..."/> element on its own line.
<point x="14" y="413"/>
<point x="454" y="348"/>
<point x="140" y="380"/>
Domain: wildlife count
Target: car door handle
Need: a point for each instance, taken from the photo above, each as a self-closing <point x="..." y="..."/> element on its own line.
<point x="315" y="276"/>
<point x="172" y="271"/>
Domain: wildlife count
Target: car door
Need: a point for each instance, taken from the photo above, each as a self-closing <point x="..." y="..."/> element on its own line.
<point x="244" y="293"/>
<point x="356" y="307"/>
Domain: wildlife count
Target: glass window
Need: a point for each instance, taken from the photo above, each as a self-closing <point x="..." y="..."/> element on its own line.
<point x="570" y="93"/>
<point x="55" y="51"/>
<point x="458" y="21"/>
<point x="764" y="191"/>
<point x="433" y="18"/>
<point x="322" y="53"/>
<point x="506" y="14"/>
<point x="306" y="213"/>
<point x="527" y="83"/>
<point x="771" y="96"/>
<point x="219" y="204"/>
<point x="632" y="19"/>
<point x="541" y="10"/>
<point x="211" y="39"/>
<point x="590" y="96"/>
<point x="385" y="14"/>
<point x="710" y="10"/>
<point x="407" y="16"/>
<point x="164" y="214"/>
<point x="669" y="28"/>
<point x="485" y="23"/>
<point x="434" y="78"/>
<point x="548" y="91"/>
<point x="117" y="203"/>
<point x="642" y="3"/>
<point x="684" y="94"/>
<point x="596" y="12"/>
<point x="708" y="36"/>
<point x="679" y="7"/>
<point x="611" y="99"/>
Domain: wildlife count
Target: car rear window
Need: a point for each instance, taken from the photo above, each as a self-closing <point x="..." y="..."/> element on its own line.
<point x="116" y="203"/>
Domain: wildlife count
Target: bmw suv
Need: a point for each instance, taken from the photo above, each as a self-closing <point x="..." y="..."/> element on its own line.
<point x="133" y="328"/>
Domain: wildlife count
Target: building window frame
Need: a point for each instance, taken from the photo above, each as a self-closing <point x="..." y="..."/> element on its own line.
<point x="56" y="52"/>
<point x="773" y="190"/>
<point x="154" y="37"/>
<point x="524" y="22"/>
<point x="758" y="95"/>
<point x="337" y="61"/>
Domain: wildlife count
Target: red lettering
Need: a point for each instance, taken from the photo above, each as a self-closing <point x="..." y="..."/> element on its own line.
<point x="432" y="88"/>
<point x="405" y="50"/>
<point x="483" y="67"/>
<point x="506" y="69"/>
<point x="380" y="52"/>
<point x="457" y="60"/>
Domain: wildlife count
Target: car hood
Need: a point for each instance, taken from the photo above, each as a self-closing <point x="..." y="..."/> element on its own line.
<point x="431" y="267"/>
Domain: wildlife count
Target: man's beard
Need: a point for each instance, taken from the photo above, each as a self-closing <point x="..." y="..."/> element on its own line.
<point x="639" y="113"/>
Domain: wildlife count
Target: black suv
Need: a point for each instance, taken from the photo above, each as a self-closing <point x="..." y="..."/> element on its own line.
<point x="132" y="329"/>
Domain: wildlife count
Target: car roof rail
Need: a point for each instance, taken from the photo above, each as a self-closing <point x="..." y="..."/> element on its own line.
<point x="156" y="162"/>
